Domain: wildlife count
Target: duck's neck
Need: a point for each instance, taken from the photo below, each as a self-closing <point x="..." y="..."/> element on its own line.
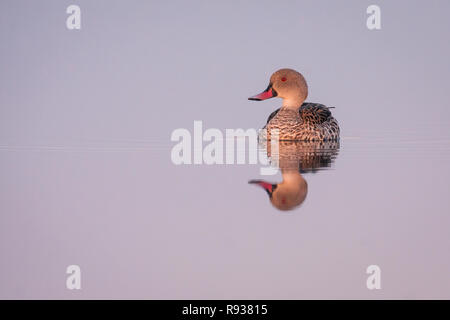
<point x="293" y="103"/>
<point x="291" y="177"/>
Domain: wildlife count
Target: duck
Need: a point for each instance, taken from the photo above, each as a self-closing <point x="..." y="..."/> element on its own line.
<point x="296" y="120"/>
<point x="295" y="159"/>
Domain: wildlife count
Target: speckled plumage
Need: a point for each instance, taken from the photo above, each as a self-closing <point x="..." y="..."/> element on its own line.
<point x="312" y="122"/>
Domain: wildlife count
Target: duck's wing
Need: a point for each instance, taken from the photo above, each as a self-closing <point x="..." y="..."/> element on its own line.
<point x="315" y="113"/>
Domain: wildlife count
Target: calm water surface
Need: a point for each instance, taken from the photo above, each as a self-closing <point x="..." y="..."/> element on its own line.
<point x="141" y="227"/>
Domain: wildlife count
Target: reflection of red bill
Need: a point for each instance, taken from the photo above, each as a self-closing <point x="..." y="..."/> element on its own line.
<point x="266" y="94"/>
<point x="265" y="185"/>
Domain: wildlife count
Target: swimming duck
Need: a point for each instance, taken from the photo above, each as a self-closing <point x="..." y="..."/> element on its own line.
<point x="297" y="119"/>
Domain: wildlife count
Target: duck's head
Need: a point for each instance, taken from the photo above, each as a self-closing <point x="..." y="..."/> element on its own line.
<point x="287" y="84"/>
<point x="286" y="195"/>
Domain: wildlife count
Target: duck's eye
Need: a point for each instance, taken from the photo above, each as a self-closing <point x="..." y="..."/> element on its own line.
<point x="283" y="79"/>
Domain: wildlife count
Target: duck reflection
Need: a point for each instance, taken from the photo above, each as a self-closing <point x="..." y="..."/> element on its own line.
<point x="295" y="158"/>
